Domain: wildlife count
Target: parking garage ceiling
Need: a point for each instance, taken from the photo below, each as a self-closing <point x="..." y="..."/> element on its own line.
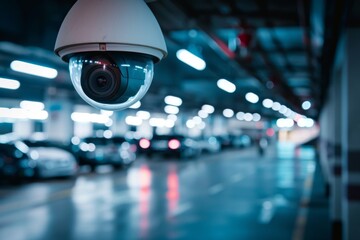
<point x="278" y="49"/>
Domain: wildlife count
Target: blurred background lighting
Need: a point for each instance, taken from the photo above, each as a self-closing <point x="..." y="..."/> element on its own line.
<point x="172" y="100"/>
<point x="136" y="105"/>
<point x="252" y="97"/>
<point x="107" y="134"/>
<point x="267" y="103"/>
<point x="248" y="117"/>
<point x="240" y="116"/>
<point x="228" y="113"/>
<point x="203" y="114"/>
<point x="32" y="106"/>
<point x="171" y="109"/>
<point x="226" y="85"/>
<point x="133" y="121"/>
<point x="285" y="123"/>
<point x="208" y="108"/>
<point x="172" y="117"/>
<point x="9" y="83"/>
<point x="190" y="124"/>
<point x="256" y="117"/>
<point x="144" y="115"/>
<point x="157" y="122"/>
<point x="276" y="106"/>
<point x="306" y="105"/>
<point x="190" y="59"/>
<point x="33" y="69"/>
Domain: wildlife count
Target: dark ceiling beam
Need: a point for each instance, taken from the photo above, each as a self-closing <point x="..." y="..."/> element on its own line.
<point x="336" y="18"/>
<point x="276" y="76"/>
<point x="279" y="82"/>
<point x="221" y="48"/>
<point x="263" y="7"/>
<point x="304" y="16"/>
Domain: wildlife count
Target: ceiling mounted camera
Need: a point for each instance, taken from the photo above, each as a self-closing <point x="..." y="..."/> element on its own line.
<point x="111" y="47"/>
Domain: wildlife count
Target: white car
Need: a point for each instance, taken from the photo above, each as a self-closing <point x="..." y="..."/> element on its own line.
<point x="50" y="160"/>
<point x="209" y="145"/>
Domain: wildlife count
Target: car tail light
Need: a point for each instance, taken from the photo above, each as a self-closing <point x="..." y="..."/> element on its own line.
<point x="174" y="144"/>
<point x="144" y="143"/>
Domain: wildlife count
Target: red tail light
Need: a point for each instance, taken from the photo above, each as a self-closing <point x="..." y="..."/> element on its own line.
<point x="174" y="144"/>
<point x="144" y="143"/>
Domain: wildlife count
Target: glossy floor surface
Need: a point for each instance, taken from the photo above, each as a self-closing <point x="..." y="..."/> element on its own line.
<point x="236" y="194"/>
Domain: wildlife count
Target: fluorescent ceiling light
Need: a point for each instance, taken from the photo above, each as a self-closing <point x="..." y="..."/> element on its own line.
<point x="143" y="115"/>
<point x="89" y="118"/>
<point x="136" y="105"/>
<point x="107" y="134"/>
<point x="107" y="113"/>
<point x="169" y="123"/>
<point x="306" y="122"/>
<point x="276" y="106"/>
<point x="285" y="123"/>
<point x="203" y="114"/>
<point x="240" y="116"/>
<point x="172" y="100"/>
<point x="197" y="120"/>
<point x="252" y="97"/>
<point x="306" y="105"/>
<point x="9" y="83"/>
<point x="208" y="108"/>
<point x="248" y="117"/>
<point x="190" y="59"/>
<point x="171" y="109"/>
<point x="190" y="124"/>
<point x="172" y="117"/>
<point x="157" y="122"/>
<point x="20" y="113"/>
<point x="283" y="109"/>
<point x="226" y="85"/>
<point x="267" y="103"/>
<point x="256" y="117"/>
<point x="33" y="106"/>
<point x="228" y="113"/>
<point x="33" y="69"/>
<point x="133" y="121"/>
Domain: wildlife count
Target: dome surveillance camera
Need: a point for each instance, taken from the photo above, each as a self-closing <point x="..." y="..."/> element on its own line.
<point x="111" y="47"/>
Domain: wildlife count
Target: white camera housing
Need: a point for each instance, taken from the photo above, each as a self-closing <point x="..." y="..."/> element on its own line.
<point x="111" y="47"/>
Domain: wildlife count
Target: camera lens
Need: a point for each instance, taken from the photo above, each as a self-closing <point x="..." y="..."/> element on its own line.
<point x="102" y="82"/>
<point x="111" y="80"/>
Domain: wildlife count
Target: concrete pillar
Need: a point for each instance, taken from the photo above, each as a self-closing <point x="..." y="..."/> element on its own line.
<point x="23" y="128"/>
<point x="59" y="126"/>
<point x="334" y="154"/>
<point x="350" y="112"/>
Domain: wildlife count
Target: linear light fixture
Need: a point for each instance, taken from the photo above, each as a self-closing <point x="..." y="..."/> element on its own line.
<point x="9" y="83"/>
<point x="172" y="100"/>
<point x="32" y="106"/>
<point x="190" y="59"/>
<point x="171" y="109"/>
<point x="136" y="105"/>
<point x="306" y="105"/>
<point x="226" y="85"/>
<point x="208" y="108"/>
<point x="252" y="97"/>
<point x="33" y="69"/>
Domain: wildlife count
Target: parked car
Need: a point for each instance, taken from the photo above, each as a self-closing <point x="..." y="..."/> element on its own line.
<point x="225" y="141"/>
<point x="24" y="160"/>
<point x="241" y="141"/>
<point x="171" y="145"/>
<point x="96" y="151"/>
<point x="209" y="145"/>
